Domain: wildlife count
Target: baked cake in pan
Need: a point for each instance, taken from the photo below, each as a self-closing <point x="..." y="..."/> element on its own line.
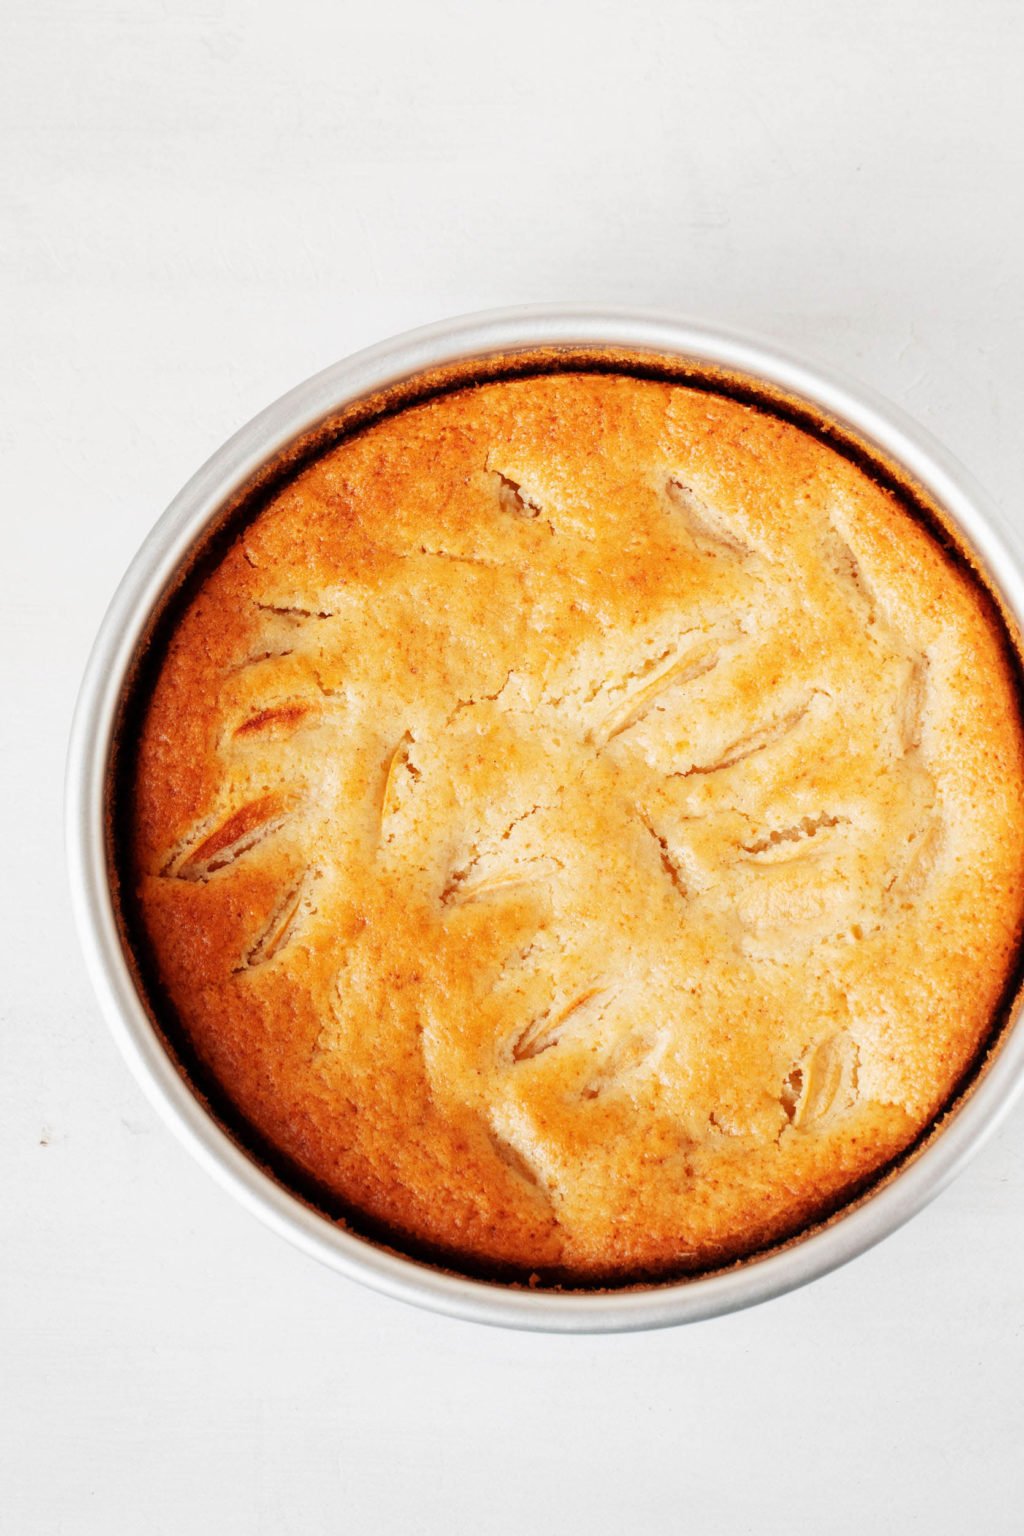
<point x="579" y="823"/>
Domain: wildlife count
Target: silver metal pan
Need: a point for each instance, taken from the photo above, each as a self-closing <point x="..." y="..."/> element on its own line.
<point x="494" y="342"/>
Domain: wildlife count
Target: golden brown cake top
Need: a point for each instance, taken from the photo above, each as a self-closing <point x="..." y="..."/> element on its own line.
<point x="580" y="822"/>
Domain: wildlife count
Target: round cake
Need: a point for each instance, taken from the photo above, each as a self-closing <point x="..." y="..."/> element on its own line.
<point x="578" y="826"/>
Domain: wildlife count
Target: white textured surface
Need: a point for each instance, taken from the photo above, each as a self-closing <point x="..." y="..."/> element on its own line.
<point x="202" y="203"/>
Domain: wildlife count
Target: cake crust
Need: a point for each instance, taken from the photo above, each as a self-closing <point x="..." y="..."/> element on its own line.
<point x="580" y="822"/>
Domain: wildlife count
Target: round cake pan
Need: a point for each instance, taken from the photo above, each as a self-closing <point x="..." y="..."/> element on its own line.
<point x="492" y="344"/>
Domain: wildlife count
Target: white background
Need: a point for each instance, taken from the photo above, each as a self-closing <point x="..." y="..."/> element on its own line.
<point x="202" y="204"/>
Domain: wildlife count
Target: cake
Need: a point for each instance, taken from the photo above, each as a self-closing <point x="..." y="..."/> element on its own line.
<point x="576" y="825"/>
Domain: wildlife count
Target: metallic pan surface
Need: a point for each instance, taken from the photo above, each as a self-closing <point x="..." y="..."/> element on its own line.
<point x="146" y="582"/>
